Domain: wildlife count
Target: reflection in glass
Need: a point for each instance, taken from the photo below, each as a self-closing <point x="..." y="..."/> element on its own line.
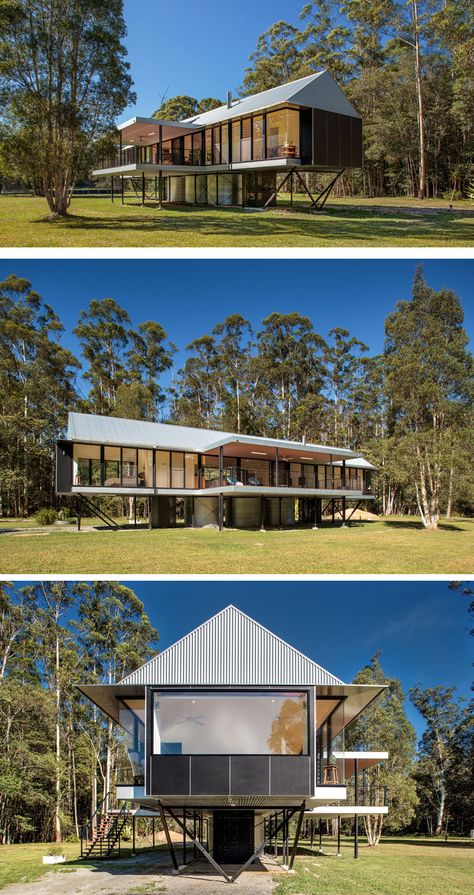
<point x="283" y="134"/>
<point x="232" y="723"/>
<point x="235" y="141"/>
<point x="246" y="143"/>
<point x="132" y="720"/>
<point x="257" y="138"/>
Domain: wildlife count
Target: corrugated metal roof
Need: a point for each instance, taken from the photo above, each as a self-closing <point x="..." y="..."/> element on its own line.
<point x="317" y="91"/>
<point x="231" y="649"/>
<point x="86" y="427"/>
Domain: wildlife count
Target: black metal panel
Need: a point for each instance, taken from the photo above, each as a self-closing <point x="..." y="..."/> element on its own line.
<point x="233" y="836"/>
<point x="345" y="141"/>
<point x="63" y="467"/>
<point x="356" y="143"/>
<point x="334" y="154"/>
<point x="169" y="775"/>
<point x="250" y="775"/>
<point x="290" y="775"/>
<point x="320" y="149"/>
<point x="306" y="136"/>
<point x="209" y="775"/>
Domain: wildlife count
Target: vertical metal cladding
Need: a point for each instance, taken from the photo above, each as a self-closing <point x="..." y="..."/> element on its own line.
<point x="231" y="649"/>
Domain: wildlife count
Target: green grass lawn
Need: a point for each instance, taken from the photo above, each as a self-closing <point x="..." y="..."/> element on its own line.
<point x="96" y="222"/>
<point x="394" y="545"/>
<point x="396" y="867"/>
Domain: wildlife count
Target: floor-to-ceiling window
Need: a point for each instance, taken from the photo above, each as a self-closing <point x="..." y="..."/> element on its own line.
<point x="225" y="144"/>
<point x="112" y="461"/>
<point x="235" y="141"/>
<point x="208" y="145"/>
<point x="87" y="465"/>
<point x="246" y="142"/>
<point x="257" y="138"/>
<point x="283" y="134"/>
<point x="197" y="148"/>
<point x="231" y="723"/>
<point x="216" y="145"/>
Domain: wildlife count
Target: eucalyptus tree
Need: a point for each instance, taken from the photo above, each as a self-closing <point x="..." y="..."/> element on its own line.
<point x="326" y="39"/>
<point x="385" y="727"/>
<point x="344" y="369"/>
<point x="277" y="58"/>
<point x="116" y="636"/>
<point x="291" y="369"/>
<point x="148" y="357"/>
<point x="37" y="389"/>
<point x="235" y="368"/>
<point x="64" y="79"/>
<point x="428" y="381"/>
<point x="197" y="393"/>
<point x="176" y="108"/>
<point x="102" y="331"/>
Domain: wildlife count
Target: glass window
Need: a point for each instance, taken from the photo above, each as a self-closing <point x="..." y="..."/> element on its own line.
<point x="295" y="474"/>
<point x="236" y="141"/>
<point x="208" y="143"/>
<point x="283" y="140"/>
<point x="197" y="148"/>
<point x="188" y="149"/>
<point x="145" y="469"/>
<point x="190" y="466"/>
<point x="166" y="153"/>
<point x="129" y="467"/>
<point x="309" y="476"/>
<point x="225" y="144"/>
<point x="177" y="470"/>
<point x="233" y="723"/>
<point x="257" y="137"/>
<point x="162" y="469"/>
<point x="216" y="145"/>
<point x="87" y="465"/>
<point x="246" y="150"/>
<point x="132" y="721"/>
<point x="210" y="471"/>
<point x="256" y="471"/>
<point x="112" y="466"/>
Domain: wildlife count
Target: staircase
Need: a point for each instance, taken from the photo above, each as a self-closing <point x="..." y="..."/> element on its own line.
<point x="100" y="836"/>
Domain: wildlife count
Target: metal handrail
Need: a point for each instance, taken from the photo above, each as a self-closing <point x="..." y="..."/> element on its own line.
<point x="85" y="830"/>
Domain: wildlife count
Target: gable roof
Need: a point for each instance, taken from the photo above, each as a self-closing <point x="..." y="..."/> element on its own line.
<point x="317" y="91"/>
<point x="230" y="649"/>
<point x="92" y="428"/>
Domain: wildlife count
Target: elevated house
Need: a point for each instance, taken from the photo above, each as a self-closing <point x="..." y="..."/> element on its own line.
<point x="206" y="477"/>
<point x="232" y="155"/>
<point x="231" y="733"/>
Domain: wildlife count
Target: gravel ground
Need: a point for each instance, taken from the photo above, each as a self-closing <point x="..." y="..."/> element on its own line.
<point x="147" y="875"/>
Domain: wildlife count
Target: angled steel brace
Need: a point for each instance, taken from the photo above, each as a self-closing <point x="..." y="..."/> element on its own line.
<point x="353" y="511"/>
<point x="297" y="836"/>
<point x="198" y="845"/>
<point x="275" y="192"/>
<point x="168" y="837"/>
<point x="321" y="200"/>
<point x="266" y="841"/>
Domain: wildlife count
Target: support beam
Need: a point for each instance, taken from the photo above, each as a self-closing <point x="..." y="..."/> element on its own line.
<point x="79" y="512"/>
<point x="199" y="846"/>
<point x="315" y="518"/>
<point x="112" y="188"/>
<point x="297" y="836"/>
<point x="168" y="837"/>
<point x="221" y="512"/>
<point x="344" y="512"/>
<point x="262" y="513"/>
<point x="275" y="192"/>
<point x="160" y="189"/>
<point x="133" y="834"/>
<point x="143" y="188"/>
<point x="121" y="189"/>
<point x="338" y="835"/>
<point x="358" y="504"/>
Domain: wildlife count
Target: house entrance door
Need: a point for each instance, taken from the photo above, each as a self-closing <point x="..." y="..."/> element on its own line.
<point x="233" y="836"/>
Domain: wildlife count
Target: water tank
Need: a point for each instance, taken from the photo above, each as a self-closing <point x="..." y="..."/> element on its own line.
<point x="177" y="190"/>
<point x="272" y="511"/>
<point x="206" y="511"/>
<point x="246" y="512"/>
<point x="190" y="190"/>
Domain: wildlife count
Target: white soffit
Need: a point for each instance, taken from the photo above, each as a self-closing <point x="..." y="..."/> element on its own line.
<point x="231" y="649"/>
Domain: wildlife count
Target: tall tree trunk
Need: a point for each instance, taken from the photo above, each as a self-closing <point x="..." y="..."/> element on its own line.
<point x="449" y="506"/>
<point x="57" y="812"/>
<point x="421" y="111"/>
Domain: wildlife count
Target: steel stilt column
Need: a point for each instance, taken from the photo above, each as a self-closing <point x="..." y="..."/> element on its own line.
<point x="297" y="836"/>
<point x="263" y="845"/>
<point x="168" y="837"/>
<point x="356" y="802"/>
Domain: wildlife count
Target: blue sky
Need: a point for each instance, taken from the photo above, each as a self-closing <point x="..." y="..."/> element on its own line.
<point x="421" y="627"/>
<point x="188" y="297"/>
<point x="199" y="49"/>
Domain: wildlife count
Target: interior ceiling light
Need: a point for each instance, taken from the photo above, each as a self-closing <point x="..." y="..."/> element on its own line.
<point x="306" y="458"/>
<point x="259" y="453"/>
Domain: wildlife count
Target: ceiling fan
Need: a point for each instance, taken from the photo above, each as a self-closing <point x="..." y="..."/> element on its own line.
<point x="194" y="719"/>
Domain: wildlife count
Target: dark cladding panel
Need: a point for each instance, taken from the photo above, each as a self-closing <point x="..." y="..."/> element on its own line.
<point x="250" y="775"/>
<point x="209" y="775"/>
<point x="334" y="154"/>
<point x="306" y="136"/>
<point x="169" y="775"/>
<point x="345" y="141"/>
<point x="356" y="142"/>
<point x="290" y="775"/>
<point x="320" y="149"/>
<point x="63" y="467"/>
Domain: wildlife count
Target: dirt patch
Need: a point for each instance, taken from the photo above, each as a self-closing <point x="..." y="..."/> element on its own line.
<point x="146" y="875"/>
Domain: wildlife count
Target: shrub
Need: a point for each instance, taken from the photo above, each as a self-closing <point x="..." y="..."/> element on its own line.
<point x="46" y="516"/>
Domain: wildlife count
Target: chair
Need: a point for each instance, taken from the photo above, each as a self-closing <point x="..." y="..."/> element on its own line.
<point x="330" y="775"/>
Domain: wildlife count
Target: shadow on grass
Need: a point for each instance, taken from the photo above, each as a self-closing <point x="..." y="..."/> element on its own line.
<point x="429" y="843"/>
<point x="417" y="525"/>
<point x="358" y="225"/>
